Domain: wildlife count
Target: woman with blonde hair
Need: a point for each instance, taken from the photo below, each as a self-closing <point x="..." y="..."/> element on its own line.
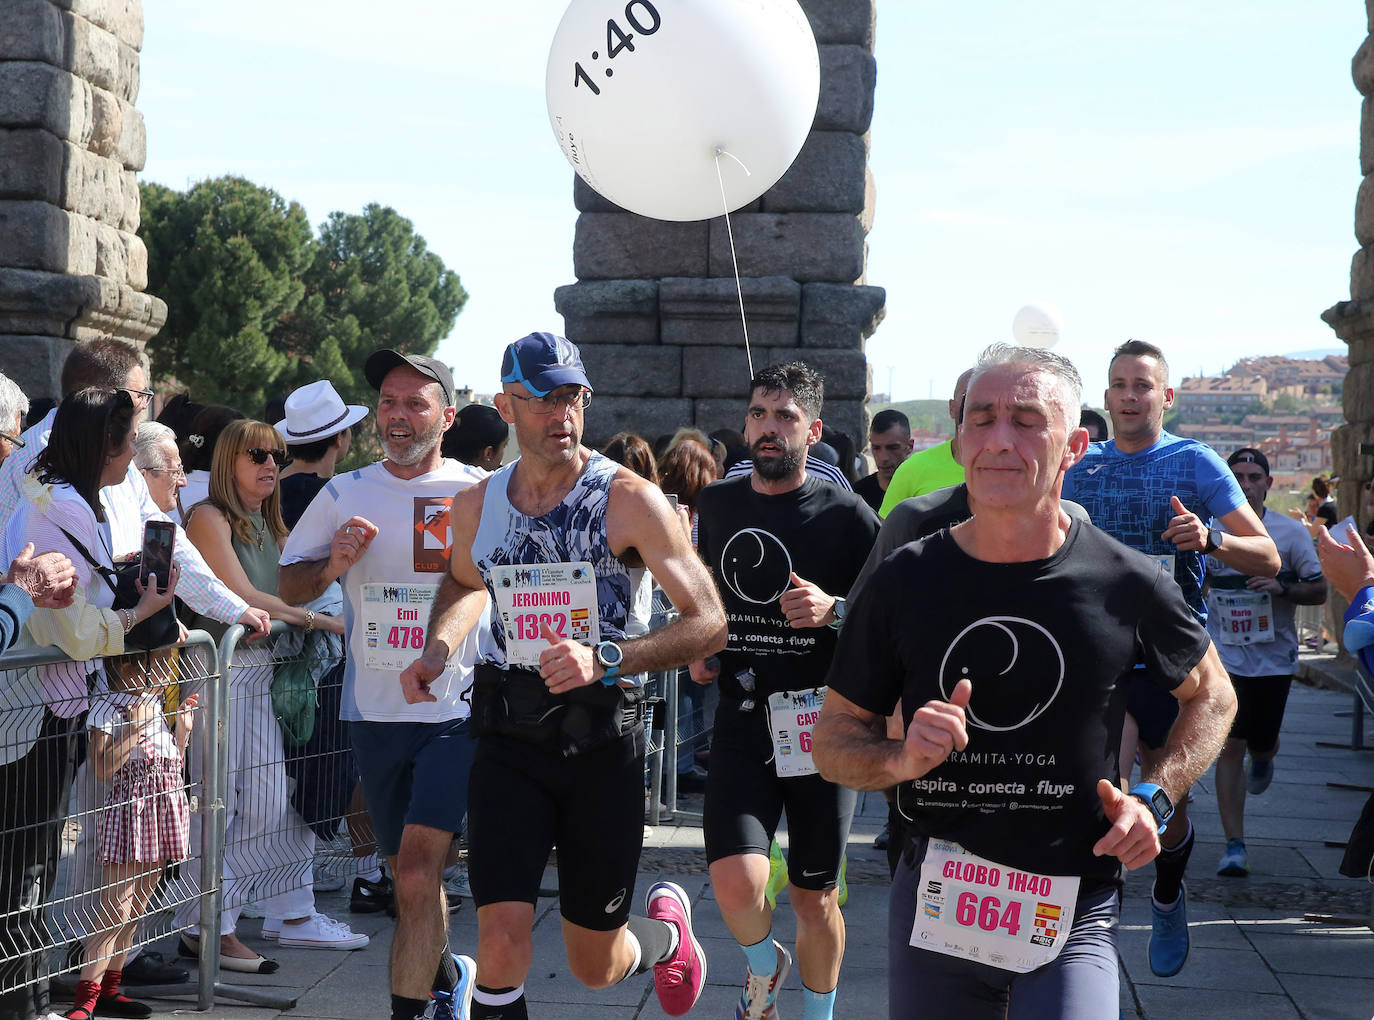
<point x="269" y="849"/>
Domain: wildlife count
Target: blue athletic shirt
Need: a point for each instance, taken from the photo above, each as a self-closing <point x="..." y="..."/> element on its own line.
<point x="1127" y="496"/>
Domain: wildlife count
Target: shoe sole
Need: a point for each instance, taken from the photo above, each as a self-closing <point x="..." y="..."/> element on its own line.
<point x="680" y="894"/>
<point x="1233" y="872"/>
<point x="466" y="966"/>
<point x="309" y="944"/>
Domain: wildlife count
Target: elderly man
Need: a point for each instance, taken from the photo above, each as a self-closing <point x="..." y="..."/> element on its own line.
<point x="157" y="459"/>
<point x="1005" y="901"/>
<point x="13" y="406"/>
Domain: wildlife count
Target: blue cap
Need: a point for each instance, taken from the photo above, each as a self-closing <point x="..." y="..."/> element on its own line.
<point x="542" y="362"/>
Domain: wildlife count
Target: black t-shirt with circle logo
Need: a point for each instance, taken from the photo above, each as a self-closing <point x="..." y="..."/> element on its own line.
<point x="1047" y="645"/>
<point x="753" y="543"/>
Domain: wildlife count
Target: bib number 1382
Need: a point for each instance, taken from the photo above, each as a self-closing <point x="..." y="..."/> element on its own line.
<point x="527" y="624"/>
<point x="987" y="913"/>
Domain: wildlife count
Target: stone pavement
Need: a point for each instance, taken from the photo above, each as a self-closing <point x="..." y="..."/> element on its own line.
<point x="1258" y="949"/>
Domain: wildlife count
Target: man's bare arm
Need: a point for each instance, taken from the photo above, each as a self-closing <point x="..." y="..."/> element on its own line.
<point x="849" y="746"/>
<point x="1248" y="547"/>
<point x="1207" y="704"/>
<point x="299" y="583"/>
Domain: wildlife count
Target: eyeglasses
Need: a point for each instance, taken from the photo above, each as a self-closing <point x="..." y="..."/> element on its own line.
<point x="13" y="439"/>
<point x="144" y="395"/>
<point x="259" y="456"/>
<point x="547" y="405"/>
<point x="177" y="474"/>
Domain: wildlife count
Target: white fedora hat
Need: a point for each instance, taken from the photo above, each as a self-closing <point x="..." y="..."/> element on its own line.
<point x="315" y="412"/>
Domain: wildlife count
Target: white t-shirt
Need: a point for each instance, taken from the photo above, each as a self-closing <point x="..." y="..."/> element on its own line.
<point x="107" y="715"/>
<point x="388" y="593"/>
<point x="1298" y="561"/>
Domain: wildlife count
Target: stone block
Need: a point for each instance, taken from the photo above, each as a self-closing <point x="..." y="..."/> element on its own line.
<point x="705" y="310"/>
<point x="848" y="416"/>
<point x="1362" y="67"/>
<point x="870" y="204"/>
<point x="839" y="315"/>
<point x="78" y="307"/>
<point x="137" y="260"/>
<point x="107" y="122"/>
<point x="34" y="94"/>
<point x="1351" y="320"/>
<point x="1357" y="395"/>
<point x="588" y="199"/>
<point x="111" y="254"/>
<point x="609" y="311"/>
<point x="1367" y="136"/>
<point x="1361" y="350"/>
<point x="131" y="202"/>
<point x="101" y="59"/>
<point x="809" y="247"/>
<point x="846" y="373"/>
<point x="132" y="148"/>
<point x="121" y="18"/>
<point x="34" y="363"/>
<point x="633" y="370"/>
<point x="35" y="30"/>
<point x="724" y="371"/>
<point x="42" y="236"/>
<point x="31" y="163"/>
<point x="848" y="76"/>
<point x="644" y="416"/>
<point x="827" y="176"/>
<point x="1362" y="275"/>
<point x="841" y="21"/>
<point x="711" y="413"/>
<point x="1364" y="212"/>
<point x="611" y="246"/>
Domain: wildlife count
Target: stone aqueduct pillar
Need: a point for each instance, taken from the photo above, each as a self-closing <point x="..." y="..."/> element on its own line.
<point x="71" y="142"/>
<point x="655" y="309"/>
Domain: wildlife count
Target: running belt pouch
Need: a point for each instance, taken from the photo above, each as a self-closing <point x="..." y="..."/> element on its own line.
<point x="160" y="629"/>
<point x="515" y="703"/>
<point x="294" y="700"/>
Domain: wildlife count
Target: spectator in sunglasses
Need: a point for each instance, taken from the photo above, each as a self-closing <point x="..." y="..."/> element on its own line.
<point x="239" y="531"/>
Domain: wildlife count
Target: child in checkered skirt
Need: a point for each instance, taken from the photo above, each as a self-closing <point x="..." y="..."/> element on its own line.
<point x="145" y="821"/>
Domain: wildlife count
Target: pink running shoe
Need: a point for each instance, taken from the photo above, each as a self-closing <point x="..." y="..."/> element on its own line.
<point x="679" y="979"/>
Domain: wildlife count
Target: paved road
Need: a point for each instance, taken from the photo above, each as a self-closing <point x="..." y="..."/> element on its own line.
<point x="1254" y="953"/>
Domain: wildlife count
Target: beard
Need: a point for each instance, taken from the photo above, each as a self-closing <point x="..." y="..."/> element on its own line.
<point x="410" y="452"/>
<point x="776" y="468"/>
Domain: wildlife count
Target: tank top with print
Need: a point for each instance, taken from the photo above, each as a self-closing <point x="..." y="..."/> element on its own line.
<point x="573" y="530"/>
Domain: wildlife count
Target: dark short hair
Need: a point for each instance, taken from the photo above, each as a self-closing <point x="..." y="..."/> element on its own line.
<point x="1248" y="455"/>
<point x="1143" y="349"/>
<point x="1095" y="424"/>
<point x="314" y="450"/>
<point x="889" y="419"/>
<point x="796" y="377"/>
<point x="475" y="427"/>
<point x="633" y="452"/>
<point x="198" y="451"/>
<point x="104" y="362"/>
<point x="90" y="425"/>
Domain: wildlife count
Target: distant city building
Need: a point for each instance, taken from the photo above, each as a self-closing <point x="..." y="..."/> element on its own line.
<point x="1203" y="395"/>
<point x="1295" y="376"/>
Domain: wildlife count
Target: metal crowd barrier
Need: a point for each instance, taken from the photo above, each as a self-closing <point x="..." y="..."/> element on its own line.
<point x="264" y="811"/>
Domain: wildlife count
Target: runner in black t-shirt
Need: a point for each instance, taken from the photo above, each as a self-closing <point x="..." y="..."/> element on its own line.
<point x="783" y="546"/>
<point x="1006" y="899"/>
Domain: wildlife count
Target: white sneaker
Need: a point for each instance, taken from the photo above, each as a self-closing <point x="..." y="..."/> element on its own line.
<point x="320" y="932"/>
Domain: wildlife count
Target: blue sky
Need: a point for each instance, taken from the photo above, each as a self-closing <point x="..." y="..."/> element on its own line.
<point x="1178" y="172"/>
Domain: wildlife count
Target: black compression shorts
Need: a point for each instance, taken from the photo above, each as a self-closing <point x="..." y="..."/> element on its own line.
<point x="1260" y="701"/>
<point x="524" y="799"/>
<point x="745" y="799"/>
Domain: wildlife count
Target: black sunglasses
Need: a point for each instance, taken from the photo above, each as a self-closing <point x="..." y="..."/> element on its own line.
<point x="259" y="456"/>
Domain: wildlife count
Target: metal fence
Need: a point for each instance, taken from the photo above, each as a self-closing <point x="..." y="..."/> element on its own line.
<point x="266" y="801"/>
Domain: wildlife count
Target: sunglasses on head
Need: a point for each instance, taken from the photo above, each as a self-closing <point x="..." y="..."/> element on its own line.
<point x="259" y="456"/>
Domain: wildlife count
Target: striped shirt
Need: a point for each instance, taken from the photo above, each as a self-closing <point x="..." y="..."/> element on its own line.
<point x="819" y="468"/>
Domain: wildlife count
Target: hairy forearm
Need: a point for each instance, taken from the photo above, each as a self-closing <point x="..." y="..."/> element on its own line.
<point x="1255" y="555"/>
<point x="697" y="633"/>
<point x="1196" y="738"/>
<point x="849" y="752"/>
<point x="299" y="583"/>
<point x="456" y="611"/>
<point x="1306" y="593"/>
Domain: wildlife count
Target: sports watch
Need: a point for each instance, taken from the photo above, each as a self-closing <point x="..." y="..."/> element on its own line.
<point x="1213" y="542"/>
<point x="839" y="609"/>
<point x="1154" y="798"/>
<point x="610" y="655"/>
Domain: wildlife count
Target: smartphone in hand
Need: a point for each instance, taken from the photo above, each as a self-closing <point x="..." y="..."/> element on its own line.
<point x="158" y="537"/>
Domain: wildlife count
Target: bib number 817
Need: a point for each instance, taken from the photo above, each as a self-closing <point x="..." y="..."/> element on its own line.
<point x="987" y="913"/>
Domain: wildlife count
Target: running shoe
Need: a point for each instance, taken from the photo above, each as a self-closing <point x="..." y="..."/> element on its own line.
<point x="456" y="886"/>
<point x="1168" y="949"/>
<point x="457" y="1004"/>
<point x="759" y="1001"/>
<point x="880" y="841"/>
<point x="679" y="979"/>
<point x="1234" y="862"/>
<point x="372" y="897"/>
<point x="1261" y="774"/>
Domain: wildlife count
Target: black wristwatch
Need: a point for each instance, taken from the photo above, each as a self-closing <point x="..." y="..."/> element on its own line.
<point x="1213" y="542"/>
<point x="838" y="610"/>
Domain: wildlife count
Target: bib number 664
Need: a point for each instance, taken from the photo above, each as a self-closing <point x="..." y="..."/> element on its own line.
<point x="987" y="913"/>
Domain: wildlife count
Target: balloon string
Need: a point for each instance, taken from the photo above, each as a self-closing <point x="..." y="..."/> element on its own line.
<point x="739" y="289"/>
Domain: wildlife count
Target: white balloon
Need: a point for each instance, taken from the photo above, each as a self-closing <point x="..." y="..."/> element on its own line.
<point x="643" y="127"/>
<point x="1037" y="325"/>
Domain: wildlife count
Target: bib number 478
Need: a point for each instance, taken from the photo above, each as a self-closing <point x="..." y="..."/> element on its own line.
<point x="987" y="913"/>
<point x="406" y="637"/>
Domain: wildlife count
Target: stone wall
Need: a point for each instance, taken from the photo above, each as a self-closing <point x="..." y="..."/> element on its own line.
<point x="655" y="310"/>
<point x="71" y="141"/>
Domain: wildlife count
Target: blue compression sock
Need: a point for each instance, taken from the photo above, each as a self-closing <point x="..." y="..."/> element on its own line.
<point x="818" y="1005"/>
<point x="762" y="956"/>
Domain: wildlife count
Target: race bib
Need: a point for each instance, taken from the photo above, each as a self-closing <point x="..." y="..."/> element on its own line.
<point x="791" y="717"/>
<point x="561" y="596"/>
<point x="1165" y="560"/>
<point x="969" y="907"/>
<point x="1242" y="617"/>
<point x="395" y="619"/>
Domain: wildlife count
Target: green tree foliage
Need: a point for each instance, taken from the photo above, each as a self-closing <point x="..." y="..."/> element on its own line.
<point x="258" y="306"/>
